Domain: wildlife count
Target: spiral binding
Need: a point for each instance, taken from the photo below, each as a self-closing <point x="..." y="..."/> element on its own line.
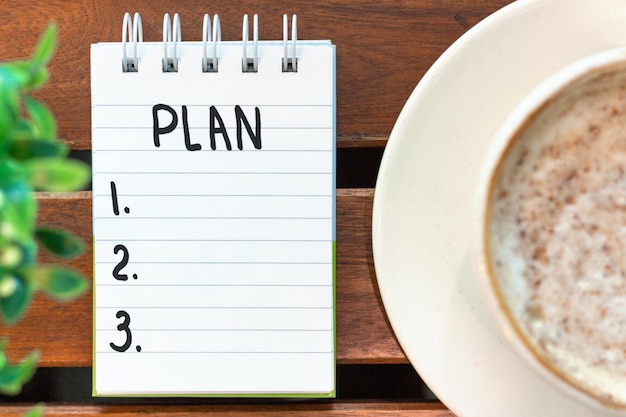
<point x="135" y="35"/>
<point x="132" y="32"/>
<point x="171" y="33"/>
<point x="250" y="64"/>
<point x="210" y="64"/>
<point x="290" y="62"/>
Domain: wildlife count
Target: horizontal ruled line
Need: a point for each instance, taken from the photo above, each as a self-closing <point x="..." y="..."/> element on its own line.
<point x="129" y="217"/>
<point x="160" y="150"/>
<point x="218" y="285"/>
<point x="185" y="352"/>
<point x="212" y="172"/>
<point x="266" y="128"/>
<point x="222" y="330"/>
<point x="215" y="240"/>
<point x="217" y="263"/>
<point x="214" y="307"/>
<point x="217" y="195"/>
<point x="243" y="106"/>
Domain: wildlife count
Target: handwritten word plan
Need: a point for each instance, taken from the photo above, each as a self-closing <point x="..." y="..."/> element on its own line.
<point x="214" y="223"/>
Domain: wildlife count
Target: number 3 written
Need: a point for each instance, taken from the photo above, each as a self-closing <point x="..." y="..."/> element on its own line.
<point x="124" y="326"/>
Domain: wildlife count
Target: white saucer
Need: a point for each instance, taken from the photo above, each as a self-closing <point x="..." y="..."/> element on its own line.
<point x="422" y="220"/>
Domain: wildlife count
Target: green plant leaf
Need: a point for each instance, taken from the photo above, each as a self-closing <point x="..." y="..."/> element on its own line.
<point x="16" y="254"/>
<point x="45" y="47"/>
<point x="36" y="411"/>
<point x="60" y="242"/>
<point x="24" y="129"/>
<point x="57" y="174"/>
<point x="29" y="252"/>
<point x="34" y="148"/>
<point x="58" y="282"/>
<point x="13" y="377"/>
<point x="15" y="74"/>
<point x="38" y="78"/>
<point x="17" y="204"/>
<point x="15" y="302"/>
<point x="19" y="211"/>
<point x="11" y="255"/>
<point x="42" y="117"/>
<point x="9" y="110"/>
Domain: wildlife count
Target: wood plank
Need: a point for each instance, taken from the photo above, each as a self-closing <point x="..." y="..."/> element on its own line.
<point x="363" y="333"/>
<point x="361" y="141"/>
<point x="335" y="409"/>
<point x="63" y="331"/>
<point x="383" y="47"/>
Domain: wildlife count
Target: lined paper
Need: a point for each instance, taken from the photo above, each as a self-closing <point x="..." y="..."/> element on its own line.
<point x="214" y="268"/>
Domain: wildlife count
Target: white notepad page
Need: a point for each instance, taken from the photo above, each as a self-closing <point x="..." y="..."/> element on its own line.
<point x="214" y="268"/>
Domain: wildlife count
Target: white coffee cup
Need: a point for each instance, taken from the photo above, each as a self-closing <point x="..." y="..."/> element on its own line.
<point x="551" y="214"/>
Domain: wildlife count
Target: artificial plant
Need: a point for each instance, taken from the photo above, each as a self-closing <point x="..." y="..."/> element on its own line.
<point x="32" y="158"/>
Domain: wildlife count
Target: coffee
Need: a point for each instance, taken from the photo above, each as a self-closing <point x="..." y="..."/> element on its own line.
<point x="556" y="233"/>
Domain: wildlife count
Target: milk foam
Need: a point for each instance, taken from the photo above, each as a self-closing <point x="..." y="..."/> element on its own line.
<point x="557" y="234"/>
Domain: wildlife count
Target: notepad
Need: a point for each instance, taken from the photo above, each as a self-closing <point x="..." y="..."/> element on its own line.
<point x="213" y="216"/>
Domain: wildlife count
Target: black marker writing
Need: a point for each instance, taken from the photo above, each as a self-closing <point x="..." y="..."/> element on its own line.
<point x="214" y="116"/>
<point x="116" y="208"/>
<point x="121" y="264"/>
<point x="216" y="127"/>
<point x="157" y="130"/>
<point x="255" y="137"/>
<point x="124" y="326"/>
<point x="188" y="144"/>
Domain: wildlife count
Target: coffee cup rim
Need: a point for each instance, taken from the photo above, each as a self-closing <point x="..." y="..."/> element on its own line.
<point x="509" y="130"/>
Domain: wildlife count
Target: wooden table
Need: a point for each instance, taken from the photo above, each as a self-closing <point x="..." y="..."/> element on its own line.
<point x="383" y="49"/>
